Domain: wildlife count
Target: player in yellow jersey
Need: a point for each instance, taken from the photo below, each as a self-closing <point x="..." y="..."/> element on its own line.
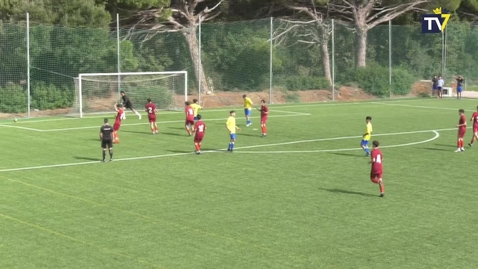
<point x="247" y="109"/>
<point x="231" y="127"/>
<point x="367" y="135"/>
<point x="196" y="108"/>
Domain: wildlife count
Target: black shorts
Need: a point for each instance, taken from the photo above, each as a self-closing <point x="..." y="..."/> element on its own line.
<point x="106" y="143"/>
<point x="128" y="105"/>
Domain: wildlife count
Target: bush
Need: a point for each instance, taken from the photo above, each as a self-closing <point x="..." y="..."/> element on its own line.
<point x="373" y="79"/>
<point x="402" y="81"/>
<point x="293" y="97"/>
<point x="299" y="83"/>
<point x="13" y="99"/>
<point x="45" y="96"/>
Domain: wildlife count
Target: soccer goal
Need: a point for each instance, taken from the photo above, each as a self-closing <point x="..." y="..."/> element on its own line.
<point x="98" y="92"/>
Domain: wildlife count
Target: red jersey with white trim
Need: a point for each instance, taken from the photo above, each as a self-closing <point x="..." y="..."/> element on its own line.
<point x="264" y="111"/>
<point x="377" y="158"/>
<point x="119" y="116"/>
<point x="200" y="128"/>
<point x="474" y="118"/>
<point x="462" y="121"/>
<point x="189" y="113"/>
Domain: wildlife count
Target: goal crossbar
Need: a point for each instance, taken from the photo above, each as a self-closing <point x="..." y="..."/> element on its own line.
<point x="83" y="75"/>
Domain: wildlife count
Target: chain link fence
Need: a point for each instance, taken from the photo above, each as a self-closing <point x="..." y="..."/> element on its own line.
<point x="281" y="61"/>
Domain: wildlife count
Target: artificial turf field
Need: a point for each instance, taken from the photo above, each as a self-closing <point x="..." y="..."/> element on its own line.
<point x="299" y="198"/>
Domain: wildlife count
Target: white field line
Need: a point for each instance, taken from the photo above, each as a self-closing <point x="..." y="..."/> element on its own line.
<point x="285" y="106"/>
<point x="337" y="150"/>
<point x="426" y="107"/>
<point x="291" y="112"/>
<point x="134" y="124"/>
<point x="20" y="127"/>
<point x="162" y="122"/>
<point x="213" y="151"/>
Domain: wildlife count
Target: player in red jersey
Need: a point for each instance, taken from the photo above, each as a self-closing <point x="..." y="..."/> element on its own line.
<point x="152" y="111"/>
<point x="199" y="130"/>
<point x="461" y="130"/>
<point x="264" y="113"/>
<point x="189" y="117"/>
<point x="474" y="119"/>
<point x="119" y="116"/>
<point x="377" y="169"/>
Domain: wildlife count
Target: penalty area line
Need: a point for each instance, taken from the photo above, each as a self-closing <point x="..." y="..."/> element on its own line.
<point x="338" y="150"/>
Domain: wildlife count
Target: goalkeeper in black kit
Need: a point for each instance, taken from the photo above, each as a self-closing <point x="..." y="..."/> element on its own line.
<point x="127" y="104"/>
<point x="106" y="136"/>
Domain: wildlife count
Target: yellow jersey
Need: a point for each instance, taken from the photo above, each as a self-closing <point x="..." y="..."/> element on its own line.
<point x="247" y="103"/>
<point x="368" y="131"/>
<point x="196" y="108"/>
<point x="231" y="124"/>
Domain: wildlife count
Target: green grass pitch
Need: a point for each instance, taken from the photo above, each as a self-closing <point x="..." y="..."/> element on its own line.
<point x="299" y="198"/>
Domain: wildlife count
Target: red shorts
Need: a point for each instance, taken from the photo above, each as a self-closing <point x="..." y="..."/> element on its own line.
<point x="190" y="122"/>
<point x="375" y="176"/>
<point x="116" y="126"/>
<point x="152" y="119"/>
<point x="475" y="129"/>
<point x="198" y="139"/>
<point x="461" y="133"/>
<point x="263" y="120"/>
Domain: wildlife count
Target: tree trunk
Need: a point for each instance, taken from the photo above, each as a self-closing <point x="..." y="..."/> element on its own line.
<point x="191" y="39"/>
<point x="361" y="47"/>
<point x="326" y="55"/>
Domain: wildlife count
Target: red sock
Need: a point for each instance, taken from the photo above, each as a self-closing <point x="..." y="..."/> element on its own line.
<point x="199" y="146"/>
<point x="458" y="144"/>
<point x="461" y="143"/>
<point x="382" y="188"/>
<point x="264" y="130"/>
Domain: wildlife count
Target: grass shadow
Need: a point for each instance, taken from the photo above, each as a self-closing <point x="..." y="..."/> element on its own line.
<point x="349" y="192"/>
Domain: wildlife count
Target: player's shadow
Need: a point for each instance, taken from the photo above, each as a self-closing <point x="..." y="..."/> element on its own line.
<point x="177" y="128"/>
<point x="446" y="145"/>
<point x="349" y="192"/>
<point x="244" y="134"/>
<point x="180" y="151"/>
<point x="348" y="154"/>
<point x="436" y="149"/>
<point x="86" y="158"/>
<point x="175" y="134"/>
<point x="137" y="132"/>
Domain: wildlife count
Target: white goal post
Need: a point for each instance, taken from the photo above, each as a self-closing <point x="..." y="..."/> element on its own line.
<point x="97" y="92"/>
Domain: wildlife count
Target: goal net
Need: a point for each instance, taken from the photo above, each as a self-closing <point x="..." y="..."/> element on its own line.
<point x="98" y="92"/>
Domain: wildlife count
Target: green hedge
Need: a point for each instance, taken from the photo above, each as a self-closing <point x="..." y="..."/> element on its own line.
<point x="13" y="99"/>
<point x="45" y="96"/>
<point x="374" y="79"/>
<point x="302" y="83"/>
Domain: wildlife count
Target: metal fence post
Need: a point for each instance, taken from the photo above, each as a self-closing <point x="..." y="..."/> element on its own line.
<point x="28" y="66"/>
